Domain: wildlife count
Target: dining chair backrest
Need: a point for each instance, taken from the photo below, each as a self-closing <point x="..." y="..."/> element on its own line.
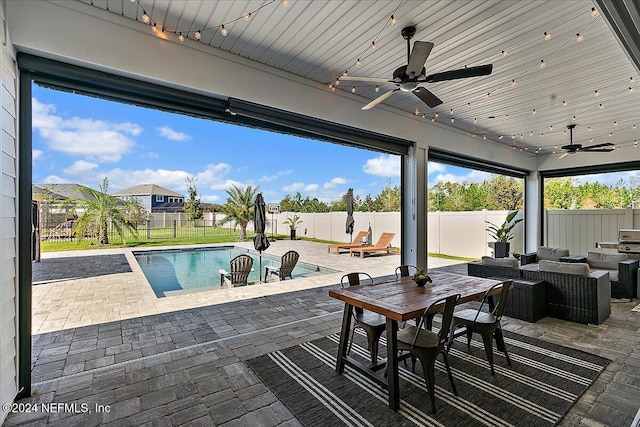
<point x="447" y="314"/>
<point x="498" y="309"/>
<point x="355" y="278"/>
<point x="240" y="268"/>
<point x="406" y="270"/>
<point x="288" y="263"/>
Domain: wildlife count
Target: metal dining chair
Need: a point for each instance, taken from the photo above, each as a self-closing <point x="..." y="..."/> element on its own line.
<point x="372" y="323"/>
<point x="487" y="324"/>
<point x="406" y="270"/>
<point x="426" y="345"/>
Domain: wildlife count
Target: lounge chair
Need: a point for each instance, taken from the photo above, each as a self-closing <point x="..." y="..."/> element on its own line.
<point x="382" y="245"/>
<point x="287" y="264"/>
<point x="357" y="242"/>
<point x="240" y="267"/>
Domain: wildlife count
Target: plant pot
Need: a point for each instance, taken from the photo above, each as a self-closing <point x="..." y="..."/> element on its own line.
<point x="501" y="249"/>
<point x="293" y="234"/>
<point x="421" y="282"/>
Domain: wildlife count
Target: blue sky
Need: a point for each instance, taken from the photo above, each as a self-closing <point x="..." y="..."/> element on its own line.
<point x="80" y="139"/>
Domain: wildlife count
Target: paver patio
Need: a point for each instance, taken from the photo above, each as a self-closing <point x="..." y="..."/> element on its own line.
<point x="103" y="338"/>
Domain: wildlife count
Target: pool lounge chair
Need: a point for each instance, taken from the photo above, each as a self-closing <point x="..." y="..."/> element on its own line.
<point x="357" y="242"/>
<point x="240" y="266"/>
<point x="382" y="245"/>
<point x="287" y="264"/>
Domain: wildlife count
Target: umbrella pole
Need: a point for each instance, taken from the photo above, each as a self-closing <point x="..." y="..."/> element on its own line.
<point x="261" y="267"/>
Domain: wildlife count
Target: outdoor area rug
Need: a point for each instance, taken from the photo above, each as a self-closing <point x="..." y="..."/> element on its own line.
<point x="540" y="387"/>
<point x="636" y="308"/>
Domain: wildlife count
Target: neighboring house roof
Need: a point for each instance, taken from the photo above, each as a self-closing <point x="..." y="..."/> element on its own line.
<point x="60" y="192"/>
<point x="147" y="190"/>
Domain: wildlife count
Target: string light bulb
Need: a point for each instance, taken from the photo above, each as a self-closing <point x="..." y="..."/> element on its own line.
<point x="145" y="17"/>
<point x="285" y="3"/>
<point x="154" y="28"/>
<point x="513" y="83"/>
<point x="337" y="82"/>
<point x="198" y="35"/>
<point x="630" y="89"/>
<point x="180" y="37"/>
<point x="631" y="80"/>
<point x="358" y="63"/>
<point x="579" y="37"/>
<point x="393" y="20"/>
<point x="533" y="112"/>
<point x="504" y="53"/>
<point x="594" y="12"/>
<point x="377" y="89"/>
<point x="484" y="136"/>
<point x="601" y="106"/>
<point x="373" y="45"/>
<point x="596" y="93"/>
<point x="542" y="63"/>
<point x="635" y="143"/>
<point x="547" y="36"/>
<point x="353" y="89"/>
<point x="224" y="31"/>
<point x="564" y="103"/>
<point x="247" y="16"/>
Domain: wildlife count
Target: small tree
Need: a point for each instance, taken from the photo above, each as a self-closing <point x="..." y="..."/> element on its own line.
<point x="101" y="209"/>
<point x="239" y="207"/>
<point x="193" y="207"/>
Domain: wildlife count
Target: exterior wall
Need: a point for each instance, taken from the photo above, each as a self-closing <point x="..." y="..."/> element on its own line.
<point x="8" y="228"/>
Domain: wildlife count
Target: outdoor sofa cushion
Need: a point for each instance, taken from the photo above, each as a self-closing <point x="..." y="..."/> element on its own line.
<point x="504" y="262"/>
<point x="579" y="268"/>
<point x="551" y="254"/>
<point x="609" y="262"/>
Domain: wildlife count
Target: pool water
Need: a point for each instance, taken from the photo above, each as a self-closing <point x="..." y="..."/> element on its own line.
<point x="177" y="271"/>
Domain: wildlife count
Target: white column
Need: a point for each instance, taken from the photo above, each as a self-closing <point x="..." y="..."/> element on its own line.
<point x="533" y="211"/>
<point x="414" y="209"/>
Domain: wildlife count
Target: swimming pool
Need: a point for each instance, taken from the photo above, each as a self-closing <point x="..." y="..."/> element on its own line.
<point x="177" y="271"/>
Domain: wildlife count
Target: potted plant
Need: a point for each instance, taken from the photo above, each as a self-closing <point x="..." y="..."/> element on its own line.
<point x="502" y="234"/>
<point x="421" y="278"/>
<point x="293" y="223"/>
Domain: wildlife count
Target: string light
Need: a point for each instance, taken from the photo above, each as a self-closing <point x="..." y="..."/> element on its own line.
<point x="436" y="115"/>
<point x="579" y="37"/>
<point x="247" y="16"/>
<point x="393" y="20"/>
<point x="594" y="12"/>
<point x="635" y="143"/>
<point x="504" y="53"/>
<point x="154" y="28"/>
<point x="596" y="93"/>
<point x="337" y="82"/>
<point x="631" y="80"/>
<point x="513" y="83"/>
<point x="533" y="112"/>
<point x="601" y="107"/>
<point x="145" y="17"/>
<point x="589" y="129"/>
<point x="285" y="3"/>
<point x="198" y="35"/>
<point x="551" y="127"/>
<point x="181" y="37"/>
<point x="547" y="36"/>
<point x="475" y="120"/>
<point x="373" y="45"/>
<point x="542" y="63"/>
<point x="452" y="120"/>
<point x="358" y="62"/>
<point x="573" y="119"/>
<point x="630" y="89"/>
<point x="610" y="134"/>
<point x="468" y="105"/>
<point x="224" y="31"/>
<point x="353" y="89"/>
<point x="564" y="103"/>
<point x="377" y="89"/>
<point x="500" y="137"/>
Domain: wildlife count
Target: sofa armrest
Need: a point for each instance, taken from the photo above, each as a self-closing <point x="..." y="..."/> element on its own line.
<point x="625" y="287"/>
<point x="529" y="258"/>
<point x="479" y="269"/>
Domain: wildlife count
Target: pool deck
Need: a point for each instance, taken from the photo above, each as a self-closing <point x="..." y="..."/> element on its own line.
<point x="177" y="366"/>
<point x="71" y="290"/>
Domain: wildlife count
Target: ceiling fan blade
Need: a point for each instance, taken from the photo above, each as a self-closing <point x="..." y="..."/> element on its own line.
<point x="563" y="155"/>
<point x="591" y="147"/>
<point x="419" y="55"/>
<point x="427" y="97"/>
<point x="363" y="79"/>
<point x="379" y="99"/>
<point x="597" y="150"/>
<point x="481" y="70"/>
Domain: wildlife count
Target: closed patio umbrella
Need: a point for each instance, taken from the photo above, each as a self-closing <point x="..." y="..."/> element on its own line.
<point x="350" y="222"/>
<point x="260" y="241"/>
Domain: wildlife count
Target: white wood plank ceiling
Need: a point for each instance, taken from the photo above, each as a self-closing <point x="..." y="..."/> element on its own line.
<point x="591" y="83"/>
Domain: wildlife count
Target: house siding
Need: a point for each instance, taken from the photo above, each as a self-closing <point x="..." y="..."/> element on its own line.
<point x="8" y="224"/>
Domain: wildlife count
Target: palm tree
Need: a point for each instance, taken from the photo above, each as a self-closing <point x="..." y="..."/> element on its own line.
<point x="99" y="209"/>
<point x="239" y="207"/>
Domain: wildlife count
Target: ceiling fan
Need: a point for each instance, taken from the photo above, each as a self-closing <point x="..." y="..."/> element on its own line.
<point x="409" y="77"/>
<point x="574" y="148"/>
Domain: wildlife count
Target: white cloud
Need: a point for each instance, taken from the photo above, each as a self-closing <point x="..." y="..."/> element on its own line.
<point x="339" y="180"/>
<point x="153" y="155"/>
<point x="173" y="135"/>
<point x="630" y="177"/>
<point x="433" y="167"/>
<point x="472" y="176"/>
<point x="269" y="178"/>
<point x="36" y="154"/>
<point x="209" y="198"/>
<point x="80" y="167"/>
<point x="292" y="188"/>
<point x="311" y="188"/>
<point x="83" y="137"/>
<point x="383" y="165"/>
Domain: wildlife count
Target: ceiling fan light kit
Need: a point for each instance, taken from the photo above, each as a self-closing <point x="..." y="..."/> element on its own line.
<point x="408" y="78"/>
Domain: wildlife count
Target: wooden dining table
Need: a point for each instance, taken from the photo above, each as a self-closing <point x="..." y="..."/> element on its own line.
<point x="399" y="299"/>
